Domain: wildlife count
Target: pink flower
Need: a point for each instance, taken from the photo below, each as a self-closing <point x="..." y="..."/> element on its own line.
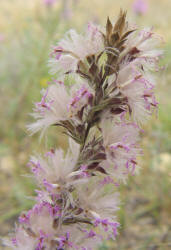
<point x="56" y="172"/>
<point x="144" y="46"/>
<point x="108" y="226"/>
<point x="120" y="142"/>
<point x="37" y="230"/>
<point x="96" y="203"/>
<point x="137" y="86"/>
<point x="51" y="109"/>
<point x="2" y="37"/>
<point x="60" y="103"/>
<point x="140" y="7"/>
<point x="76" y="48"/>
<point x="49" y="2"/>
<point x="21" y="240"/>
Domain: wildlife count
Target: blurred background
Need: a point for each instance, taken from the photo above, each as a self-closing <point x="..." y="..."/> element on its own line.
<point x="28" y="29"/>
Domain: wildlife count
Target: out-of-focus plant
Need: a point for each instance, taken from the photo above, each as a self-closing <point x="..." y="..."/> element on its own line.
<point x="66" y="7"/>
<point x="140" y="7"/>
<point x="49" y="2"/>
<point x="102" y="96"/>
<point x="25" y="49"/>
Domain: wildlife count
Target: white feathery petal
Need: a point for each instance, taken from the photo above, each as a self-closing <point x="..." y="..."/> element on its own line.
<point x="120" y="142"/>
<point x="75" y="48"/>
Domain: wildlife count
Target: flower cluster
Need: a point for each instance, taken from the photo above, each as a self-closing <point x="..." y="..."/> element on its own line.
<point x="102" y="94"/>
